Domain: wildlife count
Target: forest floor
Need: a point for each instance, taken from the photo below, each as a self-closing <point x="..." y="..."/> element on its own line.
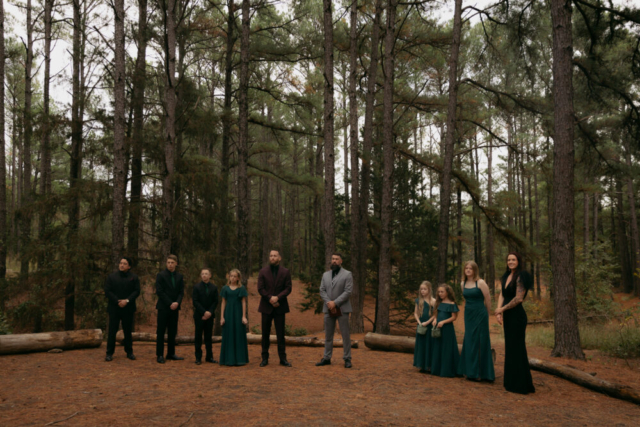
<point x="381" y="389"/>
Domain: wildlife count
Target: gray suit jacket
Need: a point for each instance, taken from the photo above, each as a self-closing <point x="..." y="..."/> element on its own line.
<point x="337" y="290"/>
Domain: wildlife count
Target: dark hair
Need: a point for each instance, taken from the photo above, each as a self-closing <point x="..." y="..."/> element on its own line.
<point x="519" y="267"/>
<point x="519" y="274"/>
<point x="128" y="260"/>
<point x="337" y="254"/>
<point x="208" y="269"/>
<point x="173" y="257"/>
<point x="275" y="250"/>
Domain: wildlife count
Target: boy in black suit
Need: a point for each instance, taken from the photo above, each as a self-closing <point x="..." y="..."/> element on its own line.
<point x="170" y="290"/>
<point x="205" y="301"/>
<point x="121" y="288"/>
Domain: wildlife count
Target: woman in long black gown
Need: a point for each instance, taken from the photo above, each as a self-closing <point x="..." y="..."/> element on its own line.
<point x="516" y="283"/>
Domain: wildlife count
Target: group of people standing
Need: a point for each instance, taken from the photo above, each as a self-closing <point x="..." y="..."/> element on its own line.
<point x="436" y="349"/>
<point x="274" y="285"/>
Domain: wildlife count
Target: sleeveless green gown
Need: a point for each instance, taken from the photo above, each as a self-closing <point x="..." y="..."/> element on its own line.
<point x="234" y="350"/>
<point x="476" y="361"/>
<point x="445" y="354"/>
<point x="422" y="352"/>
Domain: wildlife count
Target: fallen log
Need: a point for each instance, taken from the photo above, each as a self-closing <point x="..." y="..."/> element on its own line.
<point x="584" y="379"/>
<point x="45" y="341"/>
<point x="251" y="339"/>
<point x="398" y="343"/>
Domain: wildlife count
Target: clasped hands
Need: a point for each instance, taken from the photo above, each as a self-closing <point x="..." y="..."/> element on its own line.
<point x="122" y="303"/>
<point x="331" y="306"/>
<point x="498" y="314"/>
<point x="274" y="301"/>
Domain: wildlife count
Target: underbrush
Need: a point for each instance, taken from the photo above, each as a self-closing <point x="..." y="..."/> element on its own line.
<point x="289" y="331"/>
<point x="621" y="340"/>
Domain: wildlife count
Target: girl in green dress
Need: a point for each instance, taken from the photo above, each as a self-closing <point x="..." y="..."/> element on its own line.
<point x="476" y="361"/>
<point x="234" y="350"/>
<point x="445" y="356"/>
<point x="424" y="317"/>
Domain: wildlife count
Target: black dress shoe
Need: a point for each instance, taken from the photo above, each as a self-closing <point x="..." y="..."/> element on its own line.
<point x="174" y="357"/>
<point x="264" y="363"/>
<point x="347" y="364"/>
<point x="285" y="363"/>
<point x="211" y="360"/>
<point x="324" y="362"/>
<point x="131" y="356"/>
<point x="108" y="358"/>
<point x="198" y="362"/>
<point x="160" y="359"/>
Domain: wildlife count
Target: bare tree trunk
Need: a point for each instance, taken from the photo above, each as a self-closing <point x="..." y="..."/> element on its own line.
<point x="386" y="236"/>
<point x="345" y="176"/>
<point x="362" y="211"/>
<point x="45" y="182"/>
<point x="626" y="260"/>
<point x="223" y="235"/>
<point x="137" y="99"/>
<point x="537" y="226"/>
<point x="445" y="188"/>
<point x="243" y="148"/>
<point x="562" y="244"/>
<point x="491" y="264"/>
<point x="328" y="219"/>
<point x="169" y="11"/>
<point x="119" y="178"/>
<point x="3" y="165"/>
<point x="26" y="149"/>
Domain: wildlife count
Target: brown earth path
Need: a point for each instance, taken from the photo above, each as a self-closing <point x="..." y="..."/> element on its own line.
<point x="381" y="389"/>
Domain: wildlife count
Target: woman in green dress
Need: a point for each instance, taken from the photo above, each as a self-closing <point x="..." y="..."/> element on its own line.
<point x="476" y="361"/>
<point x="234" y="350"/>
<point x="445" y="354"/>
<point x="422" y="313"/>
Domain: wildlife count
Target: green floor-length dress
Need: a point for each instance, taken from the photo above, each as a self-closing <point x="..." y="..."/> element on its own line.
<point x="476" y="361"/>
<point x="422" y="352"/>
<point x="234" y="350"/>
<point x="445" y="354"/>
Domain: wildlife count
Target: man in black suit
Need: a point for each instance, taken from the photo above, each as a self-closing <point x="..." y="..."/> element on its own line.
<point x="274" y="284"/>
<point x="205" y="301"/>
<point x="170" y="290"/>
<point x="121" y="289"/>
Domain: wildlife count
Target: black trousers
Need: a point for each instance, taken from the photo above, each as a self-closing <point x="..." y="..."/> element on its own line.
<point x="205" y="326"/>
<point x="117" y="315"/>
<point x="278" y="319"/>
<point x="167" y="319"/>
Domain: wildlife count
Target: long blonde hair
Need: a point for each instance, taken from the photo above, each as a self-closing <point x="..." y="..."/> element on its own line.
<point x="421" y="300"/>
<point x="474" y="267"/>
<point x="235" y="270"/>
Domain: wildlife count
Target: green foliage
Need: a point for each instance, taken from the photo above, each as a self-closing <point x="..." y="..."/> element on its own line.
<point x="255" y="329"/>
<point x="297" y="332"/>
<point x="5" y="328"/>
<point x="595" y="279"/>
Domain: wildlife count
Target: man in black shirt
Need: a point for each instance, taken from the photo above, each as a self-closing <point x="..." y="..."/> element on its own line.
<point x="170" y="290"/>
<point x="121" y="289"/>
<point x="205" y="301"/>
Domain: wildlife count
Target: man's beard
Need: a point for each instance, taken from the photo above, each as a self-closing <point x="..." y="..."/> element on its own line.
<point x="275" y="262"/>
<point x="335" y="267"/>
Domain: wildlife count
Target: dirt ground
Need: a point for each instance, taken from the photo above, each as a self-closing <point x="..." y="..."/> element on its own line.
<point x="381" y="389"/>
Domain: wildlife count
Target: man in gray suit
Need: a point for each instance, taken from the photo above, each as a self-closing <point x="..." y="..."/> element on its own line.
<point x="335" y="291"/>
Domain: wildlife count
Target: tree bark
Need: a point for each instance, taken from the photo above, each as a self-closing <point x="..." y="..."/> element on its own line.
<point x="386" y="208"/>
<point x="491" y="264"/>
<point x="25" y="215"/>
<point x="445" y="188"/>
<point x="137" y="140"/>
<point x="562" y="245"/>
<point x="328" y="217"/>
<point x="623" y="244"/>
<point x="169" y="11"/>
<point x="243" y="148"/>
<point x="633" y="227"/>
<point x="3" y="165"/>
<point x="119" y="178"/>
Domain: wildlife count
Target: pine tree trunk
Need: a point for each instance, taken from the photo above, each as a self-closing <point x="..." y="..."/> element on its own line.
<point x="491" y="265"/>
<point x="137" y="99"/>
<point x="633" y="227"/>
<point x="169" y="10"/>
<point x="26" y="150"/>
<point x="328" y="217"/>
<point x="537" y="225"/>
<point x="45" y="182"/>
<point x="623" y="244"/>
<point x="243" y="148"/>
<point x="562" y="244"/>
<point x="445" y="188"/>
<point x="386" y="232"/>
<point x="357" y="322"/>
<point x="119" y="178"/>
<point x="3" y="165"/>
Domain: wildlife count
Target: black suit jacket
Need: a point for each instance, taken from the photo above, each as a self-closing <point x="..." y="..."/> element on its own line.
<point x="269" y="286"/>
<point x="203" y="302"/>
<point x="167" y="294"/>
<point x="119" y="286"/>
